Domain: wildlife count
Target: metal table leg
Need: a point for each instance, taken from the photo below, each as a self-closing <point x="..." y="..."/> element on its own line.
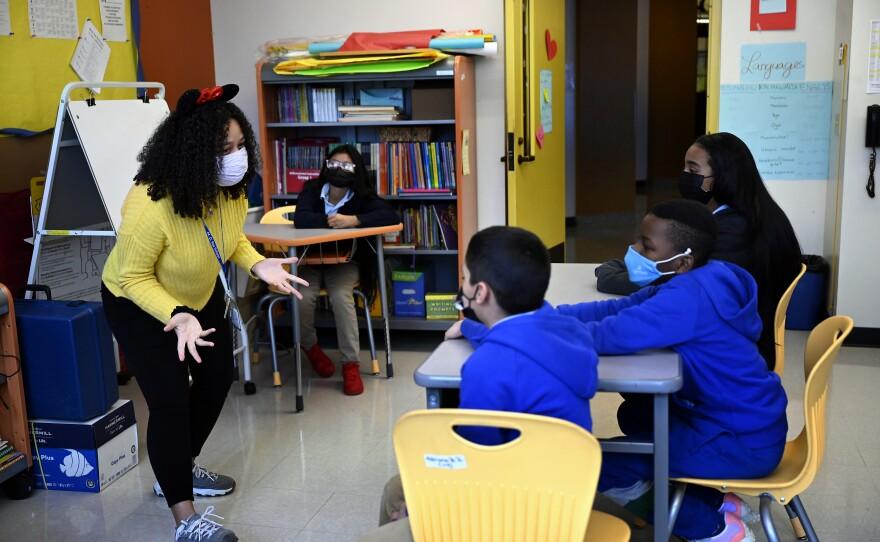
<point x="380" y="261"/>
<point x="297" y="351"/>
<point x="662" y="529"/>
<point x="433" y="395"/>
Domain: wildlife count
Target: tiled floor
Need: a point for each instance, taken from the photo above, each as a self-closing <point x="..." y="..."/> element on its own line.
<point x="317" y="475"/>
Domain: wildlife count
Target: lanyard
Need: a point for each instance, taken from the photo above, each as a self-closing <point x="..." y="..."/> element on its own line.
<point x="214" y="246"/>
<point x="229" y="298"/>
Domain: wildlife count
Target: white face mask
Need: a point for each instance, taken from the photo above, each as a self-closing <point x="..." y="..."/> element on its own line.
<point x="232" y="167"/>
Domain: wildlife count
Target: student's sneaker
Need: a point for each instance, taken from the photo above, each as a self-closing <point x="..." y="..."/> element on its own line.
<point x="321" y="363"/>
<point x="738" y="507"/>
<point x="202" y="528"/>
<point x="735" y="530"/>
<point x="205" y="483"/>
<point x="351" y="378"/>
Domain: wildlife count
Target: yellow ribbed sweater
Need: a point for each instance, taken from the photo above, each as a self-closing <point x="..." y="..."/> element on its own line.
<point x="162" y="261"/>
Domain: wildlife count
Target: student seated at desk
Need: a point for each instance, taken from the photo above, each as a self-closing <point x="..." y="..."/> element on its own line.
<point x="527" y="357"/>
<point x="728" y="420"/>
<point x="753" y="231"/>
<point x="340" y="197"/>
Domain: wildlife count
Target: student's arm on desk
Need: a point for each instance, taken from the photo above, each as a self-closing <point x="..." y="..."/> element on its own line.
<point x="473" y="331"/>
<point x="613" y="278"/>
<point x="310" y="208"/>
<point x="483" y="389"/>
<point x="377" y="212"/>
<point x="665" y="319"/>
<point x="597" y="310"/>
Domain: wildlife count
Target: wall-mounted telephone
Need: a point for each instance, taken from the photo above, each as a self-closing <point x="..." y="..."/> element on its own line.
<point x="872" y="141"/>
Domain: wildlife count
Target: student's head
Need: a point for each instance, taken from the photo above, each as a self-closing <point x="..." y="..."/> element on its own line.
<point x="732" y="179"/>
<point x="204" y="147"/>
<point x="344" y="168"/>
<point x="674" y="238"/>
<point x="506" y="271"/>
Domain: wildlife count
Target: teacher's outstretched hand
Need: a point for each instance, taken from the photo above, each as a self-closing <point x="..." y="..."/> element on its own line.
<point x="272" y="272"/>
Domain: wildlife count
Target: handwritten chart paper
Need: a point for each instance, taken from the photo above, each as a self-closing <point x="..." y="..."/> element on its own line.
<point x="113" y="21"/>
<point x="766" y="62"/>
<point x="5" y="21"/>
<point x="874" y="58"/>
<point x="787" y="126"/>
<point x="91" y="55"/>
<point x="52" y="18"/>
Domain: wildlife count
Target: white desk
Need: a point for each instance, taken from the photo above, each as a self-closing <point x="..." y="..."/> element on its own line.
<point x="654" y="372"/>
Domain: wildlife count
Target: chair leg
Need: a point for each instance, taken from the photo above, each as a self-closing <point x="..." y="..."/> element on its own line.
<point x="276" y="375"/>
<point x="675" y="506"/>
<point x="796" y="525"/>
<point x="804" y="519"/>
<point x="375" y="361"/>
<point x="767" y="518"/>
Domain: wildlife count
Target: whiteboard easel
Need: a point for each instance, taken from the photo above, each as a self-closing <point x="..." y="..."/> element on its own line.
<point x="92" y="165"/>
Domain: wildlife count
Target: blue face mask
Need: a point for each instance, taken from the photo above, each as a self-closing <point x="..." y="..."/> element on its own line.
<point x="642" y="270"/>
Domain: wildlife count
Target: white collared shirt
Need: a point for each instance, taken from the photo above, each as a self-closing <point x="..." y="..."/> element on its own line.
<point x="331" y="209"/>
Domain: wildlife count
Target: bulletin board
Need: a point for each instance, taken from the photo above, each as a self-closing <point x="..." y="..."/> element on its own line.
<point x="33" y="71"/>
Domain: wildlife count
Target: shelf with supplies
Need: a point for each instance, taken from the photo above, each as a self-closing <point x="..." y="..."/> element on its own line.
<point x="16" y="459"/>
<point x="417" y="133"/>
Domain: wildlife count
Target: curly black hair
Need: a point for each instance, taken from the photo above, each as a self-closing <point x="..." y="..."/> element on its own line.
<point x="180" y="159"/>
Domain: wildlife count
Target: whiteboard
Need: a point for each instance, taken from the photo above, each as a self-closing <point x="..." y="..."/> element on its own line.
<point x="112" y="133"/>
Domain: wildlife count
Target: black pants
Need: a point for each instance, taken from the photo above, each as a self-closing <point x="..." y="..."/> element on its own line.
<point x="181" y="416"/>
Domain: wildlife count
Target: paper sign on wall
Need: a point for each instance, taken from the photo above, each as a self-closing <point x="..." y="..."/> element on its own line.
<point x="766" y="62"/>
<point x="52" y="18"/>
<point x="545" y="98"/>
<point x="771" y="6"/>
<point x="787" y="126"/>
<point x="91" y="55"/>
<point x="113" y="20"/>
<point x="874" y="58"/>
<point x="5" y="19"/>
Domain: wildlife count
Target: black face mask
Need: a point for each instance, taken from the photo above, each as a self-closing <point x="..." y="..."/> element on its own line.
<point x="467" y="312"/>
<point x="339" y="178"/>
<point x="690" y="186"/>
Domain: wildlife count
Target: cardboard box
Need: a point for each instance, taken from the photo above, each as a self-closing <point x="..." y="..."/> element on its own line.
<point x="409" y="293"/>
<point x="85" y="456"/>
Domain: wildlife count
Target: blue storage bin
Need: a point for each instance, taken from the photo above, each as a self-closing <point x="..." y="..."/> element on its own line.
<point x="409" y="293"/>
<point x="807" y="307"/>
<point x="67" y="360"/>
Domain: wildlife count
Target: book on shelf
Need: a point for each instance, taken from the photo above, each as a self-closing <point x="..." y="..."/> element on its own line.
<point x="10" y="460"/>
<point x="429" y="226"/>
<point x="406" y="169"/>
<point x="307" y="103"/>
<point x="365" y="113"/>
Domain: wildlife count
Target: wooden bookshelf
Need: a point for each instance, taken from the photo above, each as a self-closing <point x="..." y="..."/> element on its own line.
<point x="17" y="480"/>
<point x="455" y="78"/>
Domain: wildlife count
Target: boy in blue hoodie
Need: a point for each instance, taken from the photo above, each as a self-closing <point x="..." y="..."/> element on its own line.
<point x="527" y="356"/>
<point x="728" y="420"/>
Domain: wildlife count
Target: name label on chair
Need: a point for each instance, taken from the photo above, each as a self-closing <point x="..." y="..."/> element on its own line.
<point x="448" y="462"/>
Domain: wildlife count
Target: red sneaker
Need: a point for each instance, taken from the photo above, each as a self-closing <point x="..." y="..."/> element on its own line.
<point x="351" y="378"/>
<point x="322" y="364"/>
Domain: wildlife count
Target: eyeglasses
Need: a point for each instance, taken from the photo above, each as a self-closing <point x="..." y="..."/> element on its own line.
<point x="344" y="166"/>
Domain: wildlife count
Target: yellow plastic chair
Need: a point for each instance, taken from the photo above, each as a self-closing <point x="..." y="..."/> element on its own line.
<point x="803" y="455"/>
<point x="779" y="322"/>
<point x="279" y="216"/>
<point x="537" y="487"/>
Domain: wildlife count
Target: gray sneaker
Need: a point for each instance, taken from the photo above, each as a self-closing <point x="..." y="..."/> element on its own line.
<point x="201" y="528"/>
<point x="205" y="483"/>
